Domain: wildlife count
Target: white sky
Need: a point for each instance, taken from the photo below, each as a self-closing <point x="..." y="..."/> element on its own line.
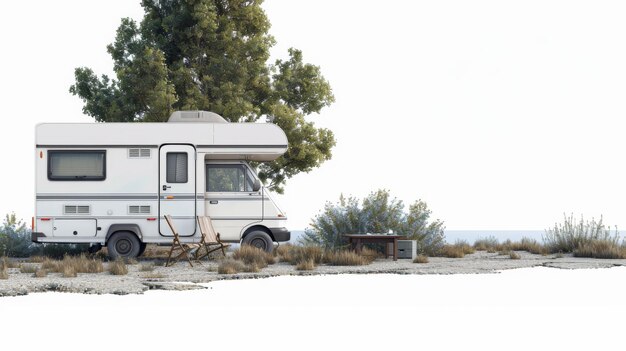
<point x="500" y="114"/>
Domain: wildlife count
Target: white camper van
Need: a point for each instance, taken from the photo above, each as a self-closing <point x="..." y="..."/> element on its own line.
<point x="112" y="183"/>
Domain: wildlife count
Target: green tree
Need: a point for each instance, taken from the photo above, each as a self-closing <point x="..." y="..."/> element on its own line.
<point x="212" y="55"/>
<point x="377" y="213"/>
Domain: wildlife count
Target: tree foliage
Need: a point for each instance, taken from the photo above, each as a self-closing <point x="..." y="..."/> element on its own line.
<point x="15" y="238"/>
<point x="211" y="55"/>
<point x="377" y="213"/>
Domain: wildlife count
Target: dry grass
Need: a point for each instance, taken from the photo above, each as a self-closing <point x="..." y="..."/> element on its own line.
<point x="529" y="245"/>
<point x="36" y="259"/>
<point x="306" y="265"/>
<point x="41" y="273"/>
<point x="153" y="276"/>
<point x="230" y="266"/>
<point x="489" y="243"/>
<point x="7" y="263"/>
<point x="458" y="250"/>
<point x="558" y="255"/>
<point x="4" y="273"/>
<point x="118" y="267"/>
<point x="28" y="268"/>
<point x="346" y="258"/>
<point x="131" y="261"/>
<point x="514" y="255"/>
<point x="606" y="249"/>
<point x="146" y="267"/>
<point x="69" y="266"/>
<point x="253" y="257"/>
<point x="296" y="254"/>
<point x="69" y="271"/>
<point x="421" y="259"/>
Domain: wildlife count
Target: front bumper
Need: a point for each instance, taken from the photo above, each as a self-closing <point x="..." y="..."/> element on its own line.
<point x="280" y="234"/>
<point x="35" y="236"/>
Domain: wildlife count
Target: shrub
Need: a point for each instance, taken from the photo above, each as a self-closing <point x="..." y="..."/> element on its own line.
<point x="146" y="267"/>
<point x="377" y="213"/>
<point x="458" y="250"/>
<point x="421" y="259"/>
<point x="6" y="262"/>
<point x="68" y="271"/>
<point x="297" y="254"/>
<point x="118" y="267"/>
<point x="514" y="255"/>
<point x="571" y="234"/>
<point x="40" y="273"/>
<point x="4" y="272"/>
<point x="601" y="249"/>
<point x="529" y="245"/>
<point x="345" y="258"/>
<point x="306" y="265"/>
<point x="451" y="251"/>
<point x="253" y="256"/>
<point x="28" y="268"/>
<point x="230" y="266"/>
<point x="489" y="243"/>
<point x="153" y="276"/>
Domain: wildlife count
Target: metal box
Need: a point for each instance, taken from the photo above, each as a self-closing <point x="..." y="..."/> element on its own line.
<point x="406" y="249"/>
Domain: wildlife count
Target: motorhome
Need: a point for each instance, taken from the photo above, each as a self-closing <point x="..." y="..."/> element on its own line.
<point x="110" y="184"/>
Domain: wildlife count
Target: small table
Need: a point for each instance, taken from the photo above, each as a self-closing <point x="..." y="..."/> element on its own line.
<point x="357" y="240"/>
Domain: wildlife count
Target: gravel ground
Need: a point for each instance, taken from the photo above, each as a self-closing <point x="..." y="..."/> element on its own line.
<point x="182" y="277"/>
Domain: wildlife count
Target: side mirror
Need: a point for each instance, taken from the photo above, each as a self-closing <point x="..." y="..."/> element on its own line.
<point x="257" y="185"/>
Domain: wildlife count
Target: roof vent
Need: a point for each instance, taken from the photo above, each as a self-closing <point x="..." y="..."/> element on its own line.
<point x="196" y="116"/>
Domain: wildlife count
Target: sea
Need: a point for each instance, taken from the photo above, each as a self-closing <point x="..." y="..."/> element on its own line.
<point x="470" y="236"/>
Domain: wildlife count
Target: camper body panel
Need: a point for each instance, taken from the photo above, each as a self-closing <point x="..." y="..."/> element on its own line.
<point x="132" y="190"/>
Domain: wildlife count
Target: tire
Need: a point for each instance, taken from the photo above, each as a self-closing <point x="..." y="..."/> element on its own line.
<point x="259" y="239"/>
<point x="142" y="248"/>
<point x="123" y="244"/>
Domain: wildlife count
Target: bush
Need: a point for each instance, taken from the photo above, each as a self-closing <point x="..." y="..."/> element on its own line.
<point x="118" y="267"/>
<point x="253" y="256"/>
<point x="489" y="243"/>
<point x="28" y="268"/>
<point x="346" y="258"/>
<point x="377" y="213"/>
<point x="230" y="266"/>
<point x="15" y="239"/>
<point x="41" y="273"/>
<point x="146" y="267"/>
<point x="571" y="234"/>
<point x="514" y="255"/>
<point x="421" y="259"/>
<point x="297" y="254"/>
<point x="306" y="265"/>
<point x="601" y="249"/>
<point x="4" y="272"/>
<point x="529" y="245"/>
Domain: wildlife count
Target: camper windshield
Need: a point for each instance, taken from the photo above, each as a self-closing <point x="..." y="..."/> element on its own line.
<point x="228" y="178"/>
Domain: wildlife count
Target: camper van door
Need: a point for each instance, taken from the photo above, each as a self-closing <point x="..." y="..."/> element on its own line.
<point x="177" y="188"/>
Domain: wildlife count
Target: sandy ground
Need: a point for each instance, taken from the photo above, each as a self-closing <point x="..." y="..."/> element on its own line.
<point x="182" y="277"/>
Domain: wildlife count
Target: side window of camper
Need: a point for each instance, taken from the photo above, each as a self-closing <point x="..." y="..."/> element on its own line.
<point x="176" y="167"/>
<point x="227" y="178"/>
<point x="76" y="165"/>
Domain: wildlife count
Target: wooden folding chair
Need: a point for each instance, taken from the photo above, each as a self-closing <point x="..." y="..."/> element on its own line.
<point x="176" y="245"/>
<point x="209" y="238"/>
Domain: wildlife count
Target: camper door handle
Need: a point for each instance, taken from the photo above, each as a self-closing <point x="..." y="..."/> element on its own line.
<point x="165" y="187"/>
<point x="213" y="202"/>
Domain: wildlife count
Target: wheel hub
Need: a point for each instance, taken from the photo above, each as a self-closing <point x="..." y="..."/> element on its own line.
<point x="123" y="247"/>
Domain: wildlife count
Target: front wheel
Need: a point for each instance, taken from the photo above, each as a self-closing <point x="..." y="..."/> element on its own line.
<point x="123" y="244"/>
<point x="259" y="239"/>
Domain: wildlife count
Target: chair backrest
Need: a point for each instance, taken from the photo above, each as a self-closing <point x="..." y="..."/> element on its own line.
<point x="169" y="221"/>
<point x="206" y="227"/>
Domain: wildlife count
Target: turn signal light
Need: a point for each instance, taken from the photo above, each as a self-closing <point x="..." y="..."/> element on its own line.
<point x="45" y="218"/>
<point x="151" y="219"/>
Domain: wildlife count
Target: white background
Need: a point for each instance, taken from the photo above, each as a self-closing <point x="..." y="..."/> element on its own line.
<point x="522" y="309"/>
<point x="500" y="114"/>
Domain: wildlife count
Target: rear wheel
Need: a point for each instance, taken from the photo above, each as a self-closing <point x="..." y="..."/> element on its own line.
<point x="123" y="244"/>
<point x="259" y="239"/>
